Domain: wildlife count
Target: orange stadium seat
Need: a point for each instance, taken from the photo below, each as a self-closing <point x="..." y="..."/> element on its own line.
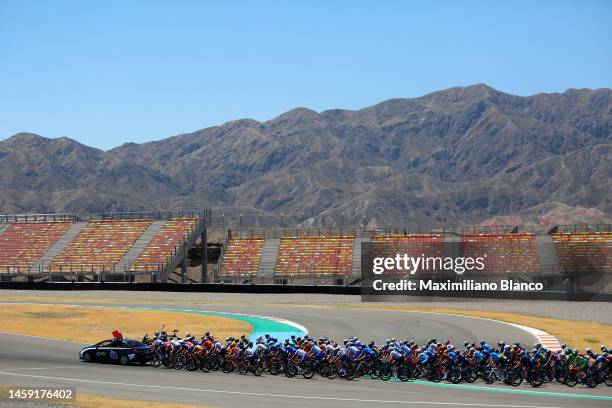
<point x="22" y="244"/>
<point x="584" y="251"/>
<point x="428" y="245"/>
<point x="315" y="255"/>
<point x="241" y="257"/>
<point x="159" y="249"/>
<point x="505" y="253"/>
<point x="99" y="246"/>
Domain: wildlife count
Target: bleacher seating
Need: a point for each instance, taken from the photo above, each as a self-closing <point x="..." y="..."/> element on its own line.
<point x="416" y="245"/>
<point x="22" y="244"/>
<point x="160" y="248"/>
<point x="505" y="253"/>
<point x="241" y="257"/>
<point x="320" y="255"/>
<point x="584" y="252"/>
<point x="99" y="246"/>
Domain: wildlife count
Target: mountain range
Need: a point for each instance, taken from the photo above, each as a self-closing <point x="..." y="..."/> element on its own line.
<point x="465" y="155"/>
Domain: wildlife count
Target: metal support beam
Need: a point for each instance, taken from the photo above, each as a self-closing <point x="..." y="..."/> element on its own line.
<point x="184" y="270"/>
<point x="204" y="255"/>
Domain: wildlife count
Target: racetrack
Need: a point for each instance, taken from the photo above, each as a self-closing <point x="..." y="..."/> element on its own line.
<point x="31" y="361"/>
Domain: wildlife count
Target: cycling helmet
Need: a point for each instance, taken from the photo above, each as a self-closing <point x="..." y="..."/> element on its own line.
<point x="482" y="342"/>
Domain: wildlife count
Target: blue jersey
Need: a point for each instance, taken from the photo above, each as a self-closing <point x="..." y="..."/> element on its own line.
<point x="480" y="357"/>
<point x="424" y="358"/>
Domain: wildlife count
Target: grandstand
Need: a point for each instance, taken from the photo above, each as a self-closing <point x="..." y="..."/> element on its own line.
<point x="505" y="253"/>
<point x="428" y="245"/>
<point x="162" y="247"/>
<point x="584" y="252"/>
<point x="99" y="246"/>
<point x="241" y="257"/>
<point x="159" y="250"/>
<point x="34" y="248"/>
<point x="314" y="255"/>
<point x="23" y="243"/>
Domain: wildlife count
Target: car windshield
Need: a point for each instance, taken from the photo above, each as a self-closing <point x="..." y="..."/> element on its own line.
<point x="135" y="343"/>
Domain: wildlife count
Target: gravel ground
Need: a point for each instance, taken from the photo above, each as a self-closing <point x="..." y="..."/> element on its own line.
<point x="582" y="311"/>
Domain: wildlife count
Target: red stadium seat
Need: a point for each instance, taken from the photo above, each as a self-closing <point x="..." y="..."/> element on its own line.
<point x="99" y="246"/>
<point x="584" y="251"/>
<point x="241" y="257"/>
<point x="22" y="244"/>
<point x="315" y="255"/>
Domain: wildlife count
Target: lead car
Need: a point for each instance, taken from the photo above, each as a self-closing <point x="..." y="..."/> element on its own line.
<point x="122" y="351"/>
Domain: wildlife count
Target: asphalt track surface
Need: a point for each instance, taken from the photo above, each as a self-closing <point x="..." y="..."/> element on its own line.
<point x="32" y="361"/>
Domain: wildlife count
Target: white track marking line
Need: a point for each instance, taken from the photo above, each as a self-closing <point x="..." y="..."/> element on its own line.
<point x="281" y="395"/>
<point x="40" y="337"/>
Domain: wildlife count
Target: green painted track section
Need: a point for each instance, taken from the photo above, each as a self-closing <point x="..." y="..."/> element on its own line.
<point x="260" y="325"/>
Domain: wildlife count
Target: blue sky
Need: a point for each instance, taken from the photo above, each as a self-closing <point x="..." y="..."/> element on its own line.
<point x="109" y="72"/>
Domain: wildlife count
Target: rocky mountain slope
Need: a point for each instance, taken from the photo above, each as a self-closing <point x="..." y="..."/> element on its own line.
<point x="462" y="155"/>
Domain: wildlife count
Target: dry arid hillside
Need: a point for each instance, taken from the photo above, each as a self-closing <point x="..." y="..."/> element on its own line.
<point x="462" y="155"/>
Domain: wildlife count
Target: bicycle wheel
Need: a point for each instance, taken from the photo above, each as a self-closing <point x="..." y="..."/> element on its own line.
<point x="571" y="380"/>
<point x="349" y="372"/>
<point x="275" y="367"/>
<point x="535" y="379"/>
<point x="469" y="376"/>
<point x="454" y="376"/>
<point x="214" y="364"/>
<point x="308" y="373"/>
<point x="404" y="373"/>
<point x="435" y="375"/>
<point x="179" y="362"/>
<point x="329" y="371"/>
<point x="191" y="364"/>
<point x="258" y="369"/>
<point x="360" y="371"/>
<point x="590" y="381"/>
<point x="291" y="370"/>
<point x="514" y="378"/>
<point x="385" y="372"/>
<point x="227" y="367"/>
<point x="489" y="377"/>
<point x="243" y="367"/>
